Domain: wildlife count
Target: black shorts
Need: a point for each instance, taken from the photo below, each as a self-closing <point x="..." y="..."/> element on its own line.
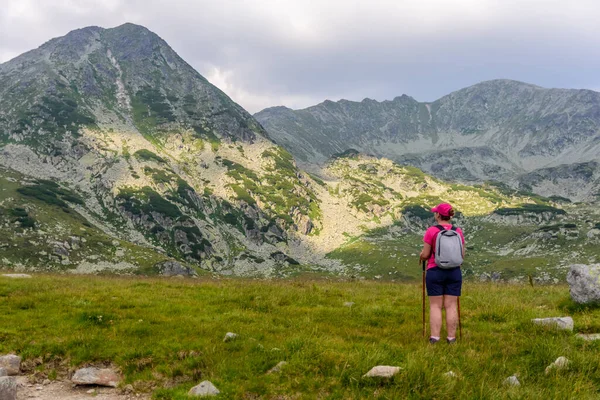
<point x="443" y="281"/>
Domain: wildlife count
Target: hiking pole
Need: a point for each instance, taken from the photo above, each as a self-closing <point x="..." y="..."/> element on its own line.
<point x="423" y="298"/>
<point x="459" y="324"/>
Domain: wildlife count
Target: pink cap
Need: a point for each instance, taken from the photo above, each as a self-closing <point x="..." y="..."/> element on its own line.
<point x="442" y="209"/>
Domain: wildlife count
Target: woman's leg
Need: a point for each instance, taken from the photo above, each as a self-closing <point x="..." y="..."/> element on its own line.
<point x="450" y="305"/>
<point x="435" y="314"/>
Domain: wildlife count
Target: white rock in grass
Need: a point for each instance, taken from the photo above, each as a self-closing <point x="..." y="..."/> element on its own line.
<point x="8" y="388"/>
<point x="16" y="276"/>
<point x="204" y="389"/>
<point x="277" y="368"/>
<point x="11" y="363"/>
<point x="450" y="374"/>
<point x="512" y="381"/>
<point x="565" y="323"/>
<point x="96" y="376"/>
<point x="229" y="336"/>
<point x="382" y="371"/>
<point x="589" y="336"/>
<point x="560" y="363"/>
<point x="348" y="304"/>
<point x="584" y="284"/>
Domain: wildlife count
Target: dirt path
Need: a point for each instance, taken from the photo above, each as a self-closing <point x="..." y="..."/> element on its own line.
<point x="58" y="390"/>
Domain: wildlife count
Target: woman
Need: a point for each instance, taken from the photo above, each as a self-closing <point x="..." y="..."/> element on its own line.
<point x="443" y="285"/>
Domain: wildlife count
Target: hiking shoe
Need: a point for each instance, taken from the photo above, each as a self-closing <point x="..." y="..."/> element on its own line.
<point x="451" y="341"/>
<point x="433" y="341"/>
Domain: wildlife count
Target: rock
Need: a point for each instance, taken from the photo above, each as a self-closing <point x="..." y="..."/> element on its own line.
<point x="348" y="304"/>
<point x="589" y="336"/>
<point x="61" y="249"/>
<point x="593" y="233"/>
<point x="277" y="368"/>
<point x="17" y="276"/>
<point x="96" y="376"/>
<point x="8" y="388"/>
<point x="204" y="389"/>
<point x="229" y="336"/>
<point x="382" y="371"/>
<point x="173" y="268"/>
<point x="565" y="323"/>
<point x="560" y="363"/>
<point x="450" y="374"/>
<point x="512" y="381"/>
<point x="584" y="283"/>
<point x="3" y="372"/>
<point x="11" y="363"/>
<point x="46" y="382"/>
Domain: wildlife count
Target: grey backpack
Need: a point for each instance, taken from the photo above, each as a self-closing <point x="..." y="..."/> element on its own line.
<point x="448" y="248"/>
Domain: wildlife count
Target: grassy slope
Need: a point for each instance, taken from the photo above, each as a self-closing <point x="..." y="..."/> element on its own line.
<point x="167" y="335"/>
<point x="392" y="254"/>
<point x="33" y="248"/>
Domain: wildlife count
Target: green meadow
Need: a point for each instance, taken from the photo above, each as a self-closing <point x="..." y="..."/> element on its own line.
<point x="166" y="335"/>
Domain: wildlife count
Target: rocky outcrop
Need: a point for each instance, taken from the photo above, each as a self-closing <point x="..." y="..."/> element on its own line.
<point x="584" y="283"/>
<point x="173" y="268"/>
<point x="11" y="364"/>
<point x="204" y="389"/>
<point x="565" y="323"/>
<point x="96" y="376"/>
<point x="8" y="388"/>
<point x="382" y="371"/>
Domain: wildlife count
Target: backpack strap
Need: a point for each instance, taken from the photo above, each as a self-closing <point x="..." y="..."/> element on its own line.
<point x="453" y="228"/>
<point x="441" y="228"/>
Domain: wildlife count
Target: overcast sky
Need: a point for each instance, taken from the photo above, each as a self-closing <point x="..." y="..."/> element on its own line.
<point x="297" y="53"/>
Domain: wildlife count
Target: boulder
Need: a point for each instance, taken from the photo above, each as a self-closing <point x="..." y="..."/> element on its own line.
<point x="11" y="363"/>
<point x="8" y="388"/>
<point x="173" y="268"/>
<point x="512" y="381"/>
<point x="589" y="336"/>
<point x="277" y="368"/>
<point x="96" y="376"/>
<point x="3" y="372"/>
<point x="450" y="374"/>
<point x="382" y="371"/>
<point x="560" y="363"/>
<point x="229" y="336"/>
<point x="565" y="323"/>
<point x="584" y="283"/>
<point x="204" y="389"/>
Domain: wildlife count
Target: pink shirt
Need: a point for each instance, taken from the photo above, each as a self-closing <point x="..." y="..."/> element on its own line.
<point x="431" y="236"/>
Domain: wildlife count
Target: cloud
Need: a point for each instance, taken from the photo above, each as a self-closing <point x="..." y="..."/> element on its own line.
<point x="297" y="53"/>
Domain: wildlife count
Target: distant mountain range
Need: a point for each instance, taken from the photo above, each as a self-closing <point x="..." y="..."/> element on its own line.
<point x="116" y="155"/>
<point x="497" y="130"/>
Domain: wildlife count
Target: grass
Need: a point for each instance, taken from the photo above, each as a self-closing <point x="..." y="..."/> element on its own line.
<point x="167" y="335"/>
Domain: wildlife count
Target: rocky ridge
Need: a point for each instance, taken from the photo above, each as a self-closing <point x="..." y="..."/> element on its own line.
<point x="497" y="130"/>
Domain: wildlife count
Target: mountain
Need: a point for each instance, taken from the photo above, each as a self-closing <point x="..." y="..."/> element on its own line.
<point x="116" y="155"/>
<point x="113" y="124"/>
<point x="496" y="130"/>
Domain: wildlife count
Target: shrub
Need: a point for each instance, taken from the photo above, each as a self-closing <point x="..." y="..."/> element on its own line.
<point x="147" y="155"/>
<point x="417" y="211"/>
<point x="530" y="209"/>
<point x="50" y="193"/>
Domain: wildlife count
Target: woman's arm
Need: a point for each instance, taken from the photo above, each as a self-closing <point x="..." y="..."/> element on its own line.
<point x="426" y="252"/>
